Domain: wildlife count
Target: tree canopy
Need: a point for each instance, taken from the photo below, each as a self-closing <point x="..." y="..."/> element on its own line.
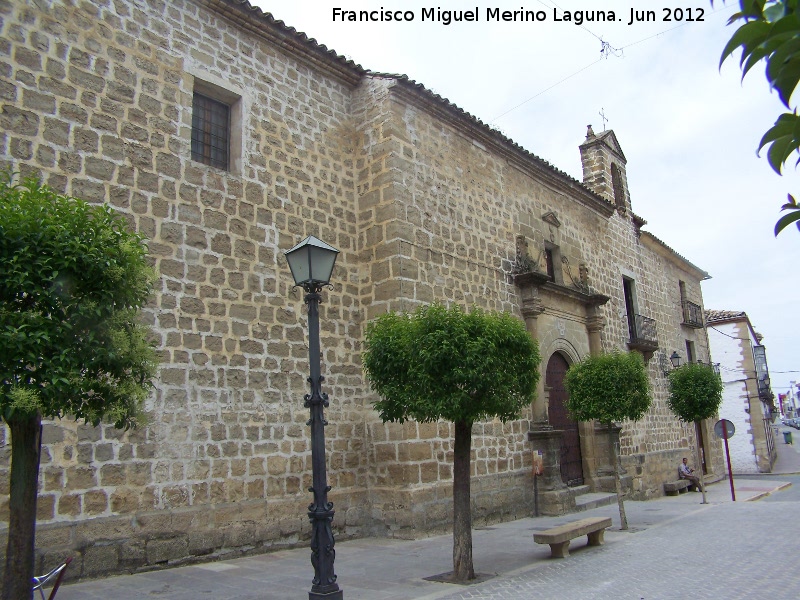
<point x="608" y="387"/>
<point x="769" y="30"/>
<point x="444" y="363"/>
<point x="695" y="392"/>
<point x="439" y="363"/>
<point x="72" y="280"/>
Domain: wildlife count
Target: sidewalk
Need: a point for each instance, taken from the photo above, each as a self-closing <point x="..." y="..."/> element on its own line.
<point x="385" y="569"/>
<point x="788" y="462"/>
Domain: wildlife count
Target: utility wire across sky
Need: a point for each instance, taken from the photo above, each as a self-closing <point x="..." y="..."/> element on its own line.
<point x="606" y="50"/>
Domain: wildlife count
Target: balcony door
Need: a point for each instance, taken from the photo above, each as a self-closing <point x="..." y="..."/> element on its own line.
<point x="630" y="307"/>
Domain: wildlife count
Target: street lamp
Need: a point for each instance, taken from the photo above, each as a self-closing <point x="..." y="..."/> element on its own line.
<point x="675" y="359"/>
<point x="311" y="262"/>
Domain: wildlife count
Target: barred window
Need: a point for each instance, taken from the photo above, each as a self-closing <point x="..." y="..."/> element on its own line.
<point x="210" y="131"/>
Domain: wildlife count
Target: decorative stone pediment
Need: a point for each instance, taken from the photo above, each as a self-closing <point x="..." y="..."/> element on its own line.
<point x="610" y="139"/>
<point x="551" y="218"/>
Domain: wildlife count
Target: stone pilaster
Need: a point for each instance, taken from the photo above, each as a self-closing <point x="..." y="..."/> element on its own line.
<point x="595" y="325"/>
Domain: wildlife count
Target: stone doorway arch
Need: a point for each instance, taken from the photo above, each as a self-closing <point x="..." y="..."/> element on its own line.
<point x="559" y="419"/>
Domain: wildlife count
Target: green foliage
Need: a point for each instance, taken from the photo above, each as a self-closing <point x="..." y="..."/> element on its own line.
<point x="770" y="31"/>
<point x="792" y="217"/>
<point x="440" y="363"/>
<point x="608" y="387"/>
<point x="695" y="392"/>
<point x="72" y="281"/>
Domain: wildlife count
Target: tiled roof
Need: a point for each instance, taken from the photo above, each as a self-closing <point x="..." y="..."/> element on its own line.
<point x="703" y="273"/>
<point x="715" y="316"/>
<point x="263" y="16"/>
<point x="357" y="69"/>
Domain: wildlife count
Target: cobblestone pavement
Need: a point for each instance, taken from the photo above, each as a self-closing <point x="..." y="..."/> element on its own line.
<point x="726" y="549"/>
<point x="734" y="550"/>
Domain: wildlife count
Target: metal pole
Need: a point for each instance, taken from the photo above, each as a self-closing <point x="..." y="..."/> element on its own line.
<point x="320" y="512"/>
<point x="728" y="456"/>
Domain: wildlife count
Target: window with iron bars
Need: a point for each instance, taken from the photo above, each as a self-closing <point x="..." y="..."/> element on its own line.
<point x="210" y="131"/>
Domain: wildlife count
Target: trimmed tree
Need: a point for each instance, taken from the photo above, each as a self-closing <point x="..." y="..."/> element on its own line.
<point x="446" y="364"/>
<point x="72" y="281"/>
<point x="695" y="394"/>
<point x="609" y="387"/>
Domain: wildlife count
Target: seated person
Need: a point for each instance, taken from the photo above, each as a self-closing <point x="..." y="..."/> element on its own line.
<point x="685" y="472"/>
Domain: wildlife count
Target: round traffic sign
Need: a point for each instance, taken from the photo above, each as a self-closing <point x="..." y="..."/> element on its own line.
<point x="729" y="429"/>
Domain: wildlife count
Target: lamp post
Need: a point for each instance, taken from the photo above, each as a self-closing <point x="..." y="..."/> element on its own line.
<point x="675" y="359"/>
<point x="311" y="262"/>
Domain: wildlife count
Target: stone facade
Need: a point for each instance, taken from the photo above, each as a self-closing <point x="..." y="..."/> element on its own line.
<point x="425" y="202"/>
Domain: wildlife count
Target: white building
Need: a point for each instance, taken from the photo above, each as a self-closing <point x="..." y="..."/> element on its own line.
<point x="790" y="401"/>
<point x="747" y="400"/>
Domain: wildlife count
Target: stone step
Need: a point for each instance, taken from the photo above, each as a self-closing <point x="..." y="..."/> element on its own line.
<point x="589" y="500"/>
<point x="580" y="490"/>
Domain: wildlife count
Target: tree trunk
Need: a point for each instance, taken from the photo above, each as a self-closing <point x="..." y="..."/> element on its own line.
<point x="462" y="509"/>
<point x="623" y="520"/>
<point x="698" y="463"/>
<point x="26" y="439"/>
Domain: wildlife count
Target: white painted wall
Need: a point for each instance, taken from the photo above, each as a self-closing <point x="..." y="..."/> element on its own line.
<point x="729" y="352"/>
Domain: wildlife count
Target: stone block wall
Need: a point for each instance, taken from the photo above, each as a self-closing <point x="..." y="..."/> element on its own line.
<point x="97" y="101"/>
<point x="424" y="203"/>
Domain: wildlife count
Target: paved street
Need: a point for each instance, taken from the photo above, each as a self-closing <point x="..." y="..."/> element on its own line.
<point x="731" y="550"/>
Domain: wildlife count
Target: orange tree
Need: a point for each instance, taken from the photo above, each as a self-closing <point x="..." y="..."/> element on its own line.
<point x="72" y="281"/>
<point x="447" y="364"/>
<point x="695" y="394"/>
<point x="609" y="387"/>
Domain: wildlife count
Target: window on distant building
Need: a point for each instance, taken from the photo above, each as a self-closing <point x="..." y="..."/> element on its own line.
<point x="690" y="354"/>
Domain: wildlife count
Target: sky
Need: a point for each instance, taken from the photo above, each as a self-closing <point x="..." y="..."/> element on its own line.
<point x="689" y="129"/>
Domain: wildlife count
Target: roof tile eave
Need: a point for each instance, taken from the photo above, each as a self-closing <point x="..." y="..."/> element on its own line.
<point x="406" y="80"/>
<point x="357" y="70"/>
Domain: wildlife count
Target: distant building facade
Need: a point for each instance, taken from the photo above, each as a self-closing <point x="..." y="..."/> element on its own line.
<point x="747" y="399"/>
<point x="789" y="403"/>
<point x="225" y="137"/>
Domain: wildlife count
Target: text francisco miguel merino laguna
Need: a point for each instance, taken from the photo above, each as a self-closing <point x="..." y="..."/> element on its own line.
<point x="576" y="17"/>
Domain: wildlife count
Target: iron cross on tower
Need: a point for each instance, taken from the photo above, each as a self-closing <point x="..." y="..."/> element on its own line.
<point x="603" y="116"/>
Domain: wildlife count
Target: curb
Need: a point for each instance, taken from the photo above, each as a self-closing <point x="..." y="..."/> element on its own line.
<point x="761" y="495"/>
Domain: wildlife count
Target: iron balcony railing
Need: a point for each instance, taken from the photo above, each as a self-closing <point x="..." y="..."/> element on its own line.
<point x="692" y="314"/>
<point x="643" y="332"/>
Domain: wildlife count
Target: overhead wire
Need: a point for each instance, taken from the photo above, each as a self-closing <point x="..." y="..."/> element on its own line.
<point x="605" y="49"/>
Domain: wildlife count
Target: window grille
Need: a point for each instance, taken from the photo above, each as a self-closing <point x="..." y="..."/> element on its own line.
<point x="210" y="131"/>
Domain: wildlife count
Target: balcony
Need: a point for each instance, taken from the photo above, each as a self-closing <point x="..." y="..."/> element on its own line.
<point x="643" y="334"/>
<point x="692" y="315"/>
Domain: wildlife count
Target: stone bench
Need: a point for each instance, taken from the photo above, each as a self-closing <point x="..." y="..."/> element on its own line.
<point x="679" y="486"/>
<point x="559" y="537"/>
